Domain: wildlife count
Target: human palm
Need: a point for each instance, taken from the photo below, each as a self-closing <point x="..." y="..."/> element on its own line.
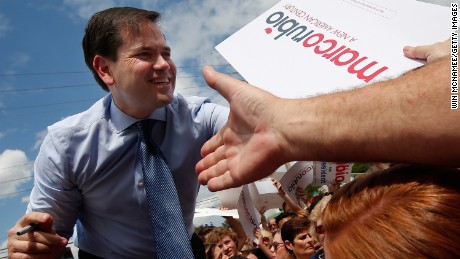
<point x="247" y="148"/>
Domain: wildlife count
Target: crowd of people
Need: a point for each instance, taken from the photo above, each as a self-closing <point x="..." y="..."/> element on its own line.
<point x="93" y="168"/>
<point x="294" y="232"/>
<point x="402" y="211"/>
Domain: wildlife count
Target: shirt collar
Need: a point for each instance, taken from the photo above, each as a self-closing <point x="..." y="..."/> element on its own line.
<point x="122" y="121"/>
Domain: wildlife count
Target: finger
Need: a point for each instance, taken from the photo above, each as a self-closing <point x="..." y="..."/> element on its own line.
<point x="213" y="143"/>
<point x="224" y="84"/>
<point x="46" y="238"/>
<point x="34" y="242"/>
<point x="26" y="256"/>
<point x="210" y="160"/>
<point x="44" y="220"/>
<point x="225" y="181"/>
<point x="35" y="217"/>
<point x="37" y="247"/>
<point x="420" y="52"/>
<point x="216" y="170"/>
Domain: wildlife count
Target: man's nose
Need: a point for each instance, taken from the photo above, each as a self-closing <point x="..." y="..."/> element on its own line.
<point x="160" y="64"/>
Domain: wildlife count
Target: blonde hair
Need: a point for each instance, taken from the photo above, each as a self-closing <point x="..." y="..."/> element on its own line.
<point x="402" y="212"/>
<point x="316" y="214"/>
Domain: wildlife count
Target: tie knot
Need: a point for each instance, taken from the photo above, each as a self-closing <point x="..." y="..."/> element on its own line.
<point x="145" y="130"/>
<point x="145" y="126"/>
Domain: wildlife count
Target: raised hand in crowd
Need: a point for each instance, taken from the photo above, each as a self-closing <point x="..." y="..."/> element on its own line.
<point x="293" y="205"/>
<point x="301" y="195"/>
<point x="265" y="241"/>
<point x="263" y="219"/>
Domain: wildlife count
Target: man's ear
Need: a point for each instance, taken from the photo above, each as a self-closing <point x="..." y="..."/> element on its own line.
<point x="102" y="67"/>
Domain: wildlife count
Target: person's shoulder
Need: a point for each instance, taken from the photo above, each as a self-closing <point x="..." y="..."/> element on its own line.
<point x="82" y="120"/>
<point x="189" y="101"/>
<point x="193" y="102"/>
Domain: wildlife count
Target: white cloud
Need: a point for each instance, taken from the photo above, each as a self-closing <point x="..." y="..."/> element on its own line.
<point x="193" y="28"/>
<point x="39" y="136"/>
<point x="15" y="169"/>
<point x="25" y="199"/>
<point x="18" y="59"/>
<point x="2" y="134"/>
<point x="4" y="25"/>
<point x="84" y="9"/>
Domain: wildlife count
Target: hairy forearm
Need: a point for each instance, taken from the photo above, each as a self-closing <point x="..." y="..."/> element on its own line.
<point x="407" y="119"/>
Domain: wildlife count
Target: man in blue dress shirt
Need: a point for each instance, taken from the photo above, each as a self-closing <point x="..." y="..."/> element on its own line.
<point x="87" y="171"/>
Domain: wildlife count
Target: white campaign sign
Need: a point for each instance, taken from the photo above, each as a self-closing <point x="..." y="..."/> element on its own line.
<point x="305" y="48"/>
<point x="248" y="214"/>
<point x="331" y="172"/>
<point x="299" y="175"/>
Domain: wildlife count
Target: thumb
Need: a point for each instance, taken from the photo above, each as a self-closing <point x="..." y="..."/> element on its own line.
<point x="44" y="221"/>
<point x="224" y="84"/>
<point x="420" y="52"/>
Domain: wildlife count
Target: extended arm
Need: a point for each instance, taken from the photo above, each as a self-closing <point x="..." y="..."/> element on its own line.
<point x="407" y="119"/>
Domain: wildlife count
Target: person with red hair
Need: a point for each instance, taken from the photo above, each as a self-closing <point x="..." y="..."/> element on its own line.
<point x="406" y="211"/>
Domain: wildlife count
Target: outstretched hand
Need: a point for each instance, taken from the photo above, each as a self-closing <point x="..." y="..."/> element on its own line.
<point x="247" y="148"/>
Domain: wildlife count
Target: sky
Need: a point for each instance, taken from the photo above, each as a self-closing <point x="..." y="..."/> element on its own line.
<point x="43" y="77"/>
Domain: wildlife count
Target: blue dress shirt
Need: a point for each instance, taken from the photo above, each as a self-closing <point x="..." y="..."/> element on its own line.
<point x="87" y="172"/>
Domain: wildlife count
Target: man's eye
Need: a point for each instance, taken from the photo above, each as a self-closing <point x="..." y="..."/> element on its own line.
<point x="143" y="54"/>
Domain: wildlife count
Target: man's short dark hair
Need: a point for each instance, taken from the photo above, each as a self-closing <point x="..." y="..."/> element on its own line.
<point x="103" y="33"/>
<point x="283" y="215"/>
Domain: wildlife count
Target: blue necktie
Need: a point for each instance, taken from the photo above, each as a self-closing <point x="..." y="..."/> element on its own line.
<point x="169" y="231"/>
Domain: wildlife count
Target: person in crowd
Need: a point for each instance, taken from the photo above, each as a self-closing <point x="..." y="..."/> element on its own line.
<point x="225" y="240"/>
<point x="237" y="228"/>
<point x="88" y="171"/>
<point x="297" y="238"/>
<point x="265" y="238"/>
<point x="204" y="232"/>
<point x="316" y="227"/>
<point x="405" y="211"/>
<point x="272" y="226"/>
<point x="278" y="249"/>
<point x="228" y="243"/>
<point x="283" y="217"/>
<point x="301" y="196"/>
<point x="263" y="219"/>
<point x="338" y="131"/>
<point x="313" y="201"/>
<point x="212" y="251"/>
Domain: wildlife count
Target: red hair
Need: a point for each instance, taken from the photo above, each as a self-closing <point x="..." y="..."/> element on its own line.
<point x="402" y="212"/>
